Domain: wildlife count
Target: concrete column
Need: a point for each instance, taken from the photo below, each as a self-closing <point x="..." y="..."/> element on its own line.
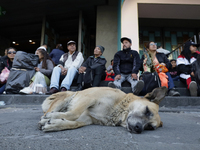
<point x="129" y="22"/>
<point x="107" y="31"/>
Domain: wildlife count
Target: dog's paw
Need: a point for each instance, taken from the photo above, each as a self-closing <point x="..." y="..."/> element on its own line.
<point x="41" y="123"/>
<point x="51" y="125"/>
<point x="51" y="115"/>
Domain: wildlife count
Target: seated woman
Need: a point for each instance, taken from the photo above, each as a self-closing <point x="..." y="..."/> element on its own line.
<point x="45" y="67"/>
<point x="6" y="61"/>
<point x="156" y="59"/>
<point x="184" y="61"/>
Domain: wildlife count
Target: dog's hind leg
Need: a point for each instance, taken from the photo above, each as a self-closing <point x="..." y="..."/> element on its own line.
<point x="63" y="124"/>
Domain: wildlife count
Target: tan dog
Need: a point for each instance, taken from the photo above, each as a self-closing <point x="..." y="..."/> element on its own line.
<point x="103" y="106"/>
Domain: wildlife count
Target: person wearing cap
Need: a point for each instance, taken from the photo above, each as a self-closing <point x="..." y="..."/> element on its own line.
<point x="67" y="67"/>
<point x="184" y="61"/>
<point x="126" y="67"/>
<point x="57" y="53"/>
<point x="92" y="71"/>
<point x="45" y="67"/>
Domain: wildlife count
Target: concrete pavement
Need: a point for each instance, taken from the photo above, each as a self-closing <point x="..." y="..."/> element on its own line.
<point x="18" y="131"/>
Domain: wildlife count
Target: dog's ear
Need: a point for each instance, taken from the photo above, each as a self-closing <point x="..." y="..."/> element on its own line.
<point x="157" y="95"/>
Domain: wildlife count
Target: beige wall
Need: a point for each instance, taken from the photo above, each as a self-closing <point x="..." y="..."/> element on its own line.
<point x="106" y="30"/>
<point x="129" y="16"/>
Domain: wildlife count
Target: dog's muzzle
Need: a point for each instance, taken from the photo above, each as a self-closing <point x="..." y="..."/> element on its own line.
<point x="135" y="128"/>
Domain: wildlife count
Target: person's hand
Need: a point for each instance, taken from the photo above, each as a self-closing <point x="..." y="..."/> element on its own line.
<point x="163" y="64"/>
<point x="37" y="69"/>
<point x="192" y="74"/>
<point x="64" y="71"/>
<point x="82" y="69"/>
<point x="145" y="60"/>
<point x="134" y="76"/>
<point x="117" y="77"/>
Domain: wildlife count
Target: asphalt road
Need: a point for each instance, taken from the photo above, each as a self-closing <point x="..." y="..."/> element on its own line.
<point x="18" y="131"/>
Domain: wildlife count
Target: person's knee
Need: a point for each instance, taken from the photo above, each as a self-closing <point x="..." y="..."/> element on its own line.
<point x="99" y="70"/>
<point x="56" y="68"/>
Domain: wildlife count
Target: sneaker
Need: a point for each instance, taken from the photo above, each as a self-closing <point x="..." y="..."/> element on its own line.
<point x="193" y="88"/>
<point x="112" y="85"/>
<point x="138" y="87"/>
<point x="26" y="90"/>
<point x="172" y="92"/>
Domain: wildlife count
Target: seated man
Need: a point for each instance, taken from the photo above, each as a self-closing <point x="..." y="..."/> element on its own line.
<point x="68" y="66"/>
<point x="92" y="71"/>
<point x="126" y="67"/>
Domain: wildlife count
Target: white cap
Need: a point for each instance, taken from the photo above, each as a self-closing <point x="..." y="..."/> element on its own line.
<point x="42" y="47"/>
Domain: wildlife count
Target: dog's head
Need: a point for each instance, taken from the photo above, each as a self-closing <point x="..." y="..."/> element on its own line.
<point x="143" y="112"/>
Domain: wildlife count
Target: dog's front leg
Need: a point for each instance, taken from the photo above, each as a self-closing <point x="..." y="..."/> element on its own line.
<point x="58" y="115"/>
<point x="63" y="124"/>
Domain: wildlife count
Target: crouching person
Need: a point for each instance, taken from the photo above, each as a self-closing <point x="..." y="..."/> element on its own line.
<point x="126" y="67"/>
<point x="92" y="71"/>
<point x="68" y="67"/>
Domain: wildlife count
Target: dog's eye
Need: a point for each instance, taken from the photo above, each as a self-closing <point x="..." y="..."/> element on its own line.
<point x="148" y="112"/>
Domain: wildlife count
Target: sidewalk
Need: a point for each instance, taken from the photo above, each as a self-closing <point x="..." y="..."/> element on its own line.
<point x="171" y="102"/>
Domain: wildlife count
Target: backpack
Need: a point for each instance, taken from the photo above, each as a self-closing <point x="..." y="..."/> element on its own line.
<point x="151" y="81"/>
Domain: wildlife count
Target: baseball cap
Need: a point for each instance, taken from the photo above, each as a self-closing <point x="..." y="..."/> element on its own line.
<point x="125" y="38"/>
<point x="189" y="43"/>
<point x="71" y="42"/>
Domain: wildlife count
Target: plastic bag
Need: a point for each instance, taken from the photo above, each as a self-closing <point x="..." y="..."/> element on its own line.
<point x="39" y="84"/>
<point x="4" y="75"/>
<point x="18" y="79"/>
<point x="161" y="68"/>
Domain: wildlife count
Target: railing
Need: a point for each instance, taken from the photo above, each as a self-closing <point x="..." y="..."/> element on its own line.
<point x="177" y="51"/>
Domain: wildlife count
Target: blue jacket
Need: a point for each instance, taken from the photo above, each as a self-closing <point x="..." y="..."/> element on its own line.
<point x="55" y="55"/>
<point x="127" y="62"/>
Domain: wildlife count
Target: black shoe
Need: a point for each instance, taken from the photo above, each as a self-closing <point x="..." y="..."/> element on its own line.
<point x="172" y="92"/>
<point x="79" y="88"/>
<point x="63" y="89"/>
<point x="52" y="91"/>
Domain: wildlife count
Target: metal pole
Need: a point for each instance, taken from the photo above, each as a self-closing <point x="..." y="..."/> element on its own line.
<point x="80" y="31"/>
<point x="43" y="30"/>
<point x="195" y="39"/>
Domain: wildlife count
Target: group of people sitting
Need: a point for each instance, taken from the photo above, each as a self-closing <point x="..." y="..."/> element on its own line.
<point x="61" y="68"/>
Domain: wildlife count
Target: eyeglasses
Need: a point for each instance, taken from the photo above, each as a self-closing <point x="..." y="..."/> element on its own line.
<point x="152" y="44"/>
<point x="14" y="52"/>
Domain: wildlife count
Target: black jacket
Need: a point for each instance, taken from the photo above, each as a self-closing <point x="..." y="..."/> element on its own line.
<point x="162" y="58"/>
<point x="126" y="61"/>
<point x="5" y="62"/>
<point x="90" y="63"/>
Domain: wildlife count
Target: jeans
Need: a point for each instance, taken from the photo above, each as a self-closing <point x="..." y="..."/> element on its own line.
<point x="171" y="82"/>
<point x="2" y="88"/>
<point x="177" y="78"/>
<point x="67" y="81"/>
<point x="124" y="77"/>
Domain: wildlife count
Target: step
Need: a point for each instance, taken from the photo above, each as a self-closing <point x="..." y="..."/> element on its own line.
<point x="169" y="101"/>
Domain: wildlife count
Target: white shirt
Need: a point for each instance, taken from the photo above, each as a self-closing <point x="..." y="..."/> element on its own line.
<point x="76" y="63"/>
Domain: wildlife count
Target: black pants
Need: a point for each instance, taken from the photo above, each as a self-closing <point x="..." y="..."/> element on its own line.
<point x="93" y="77"/>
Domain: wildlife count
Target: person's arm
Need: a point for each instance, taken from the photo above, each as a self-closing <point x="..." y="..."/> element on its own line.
<point x="78" y="61"/>
<point x="136" y="63"/>
<point x="167" y="62"/>
<point x="49" y="69"/>
<point x="101" y="62"/>
<point x="116" y="65"/>
<point x="61" y="61"/>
